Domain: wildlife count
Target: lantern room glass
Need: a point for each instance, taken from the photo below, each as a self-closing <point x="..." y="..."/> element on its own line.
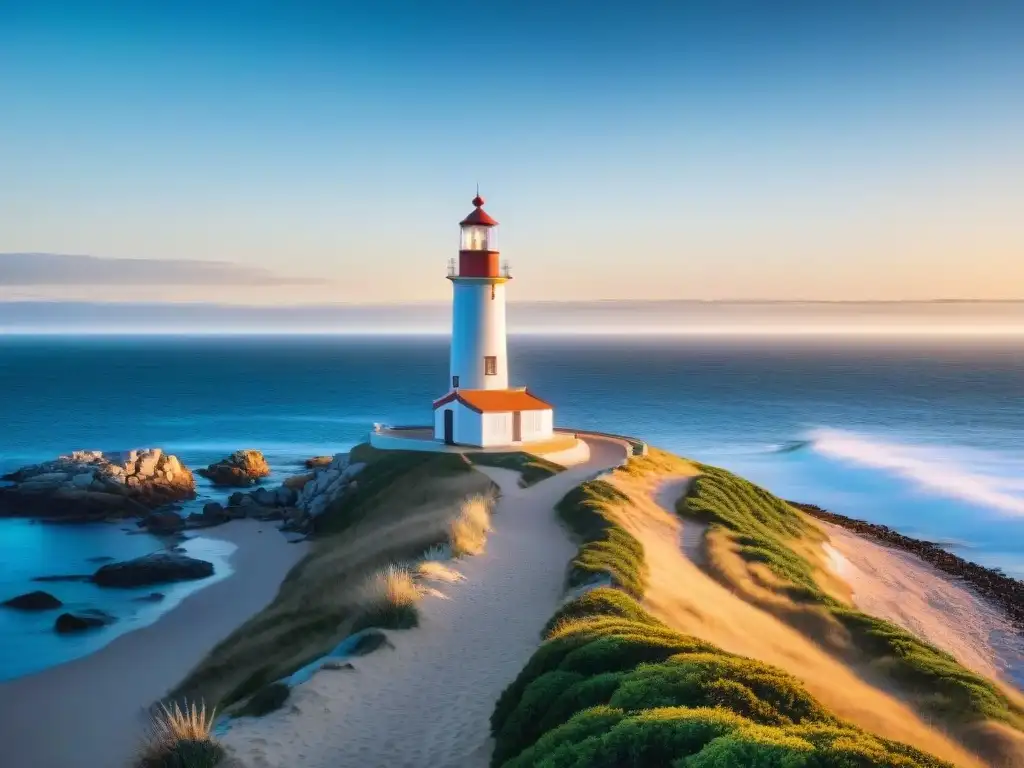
<point x="476" y="237"/>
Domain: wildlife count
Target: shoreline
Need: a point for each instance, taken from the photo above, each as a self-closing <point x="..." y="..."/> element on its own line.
<point x="1005" y="592"/>
<point x="101" y="701"/>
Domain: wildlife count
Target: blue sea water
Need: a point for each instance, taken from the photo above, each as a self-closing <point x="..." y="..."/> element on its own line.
<point x="924" y="435"/>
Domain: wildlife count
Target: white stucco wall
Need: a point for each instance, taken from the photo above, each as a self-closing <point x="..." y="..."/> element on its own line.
<point x="478" y="331"/>
<point x="537" y="425"/>
<point x="497" y="429"/>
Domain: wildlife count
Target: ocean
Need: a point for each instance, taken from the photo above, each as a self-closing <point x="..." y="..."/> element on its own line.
<point x="923" y="434"/>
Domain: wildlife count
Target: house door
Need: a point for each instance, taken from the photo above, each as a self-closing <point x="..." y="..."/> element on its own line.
<point x="449" y="426"/>
<point x="517" y="426"/>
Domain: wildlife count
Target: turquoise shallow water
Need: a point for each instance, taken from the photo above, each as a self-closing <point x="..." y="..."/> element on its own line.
<point x="926" y="436"/>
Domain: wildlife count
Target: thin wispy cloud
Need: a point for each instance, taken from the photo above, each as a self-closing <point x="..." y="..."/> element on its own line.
<point x="58" y="269"/>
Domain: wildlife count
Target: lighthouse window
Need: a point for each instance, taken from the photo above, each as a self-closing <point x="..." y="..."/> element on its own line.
<point x="476" y="238"/>
<point x="490" y="366"/>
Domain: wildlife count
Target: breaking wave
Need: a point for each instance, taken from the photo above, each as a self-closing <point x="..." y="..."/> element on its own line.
<point x="986" y="479"/>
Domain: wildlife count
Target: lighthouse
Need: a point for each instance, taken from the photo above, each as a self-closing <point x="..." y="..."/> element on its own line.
<point x="480" y="409"/>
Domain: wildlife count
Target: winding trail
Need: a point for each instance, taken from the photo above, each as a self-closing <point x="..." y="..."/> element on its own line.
<point x="428" y="700"/>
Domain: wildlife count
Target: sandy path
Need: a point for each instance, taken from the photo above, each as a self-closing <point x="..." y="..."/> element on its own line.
<point x="90" y="712"/>
<point x="681" y="594"/>
<point x="902" y="588"/>
<point x="428" y="700"/>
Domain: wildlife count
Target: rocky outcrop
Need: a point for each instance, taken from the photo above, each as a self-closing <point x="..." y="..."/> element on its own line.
<point x="990" y="582"/>
<point x="67" y="623"/>
<point x="318" y="462"/>
<point x="92" y="485"/>
<point x="327" y="484"/>
<point x="240" y="469"/>
<point x="157" y="568"/>
<point x="34" y="601"/>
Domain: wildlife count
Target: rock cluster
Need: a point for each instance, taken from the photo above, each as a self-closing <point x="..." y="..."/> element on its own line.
<point x="297" y="501"/>
<point x="33" y="601"/>
<point x="327" y="483"/>
<point x="990" y="582"/>
<point x="157" y="568"/>
<point x="78" y="622"/>
<point x="240" y="469"/>
<point x="92" y="485"/>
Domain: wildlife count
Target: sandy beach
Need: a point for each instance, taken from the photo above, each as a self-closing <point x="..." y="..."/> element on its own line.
<point x="91" y="712"/>
<point x="902" y="588"/>
<point x="428" y="700"/>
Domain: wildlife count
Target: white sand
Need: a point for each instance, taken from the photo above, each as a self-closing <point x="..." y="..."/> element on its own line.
<point x="903" y="588"/>
<point x="90" y="712"/>
<point x="427" y="701"/>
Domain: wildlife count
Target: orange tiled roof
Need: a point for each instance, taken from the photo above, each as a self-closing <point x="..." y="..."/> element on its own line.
<point x="492" y="400"/>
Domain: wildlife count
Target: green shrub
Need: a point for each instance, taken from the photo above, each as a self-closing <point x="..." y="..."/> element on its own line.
<point x="602" y="601"/>
<point x="585" y="508"/>
<point x="266" y="700"/>
<point x="521" y="728"/>
<point x="557" y="746"/>
<point x="600" y="558"/>
<point x="758" y="691"/>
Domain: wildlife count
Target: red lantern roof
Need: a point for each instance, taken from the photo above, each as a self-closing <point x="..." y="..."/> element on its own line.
<point x="480" y="217"/>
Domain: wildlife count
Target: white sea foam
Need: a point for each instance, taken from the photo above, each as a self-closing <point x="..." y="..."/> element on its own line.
<point x="983" y="478"/>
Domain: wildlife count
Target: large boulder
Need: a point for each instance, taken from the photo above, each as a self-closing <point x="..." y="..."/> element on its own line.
<point x="157" y="568"/>
<point x="92" y="485"/>
<point x="78" y="622"/>
<point x="34" y="601"/>
<point x="239" y="469"/>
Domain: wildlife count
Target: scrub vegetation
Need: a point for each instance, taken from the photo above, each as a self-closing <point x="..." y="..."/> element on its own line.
<point x="611" y="685"/>
<point x="767" y="533"/>
<point x="403" y="506"/>
<point x="180" y="738"/>
<point x="531" y="468"/>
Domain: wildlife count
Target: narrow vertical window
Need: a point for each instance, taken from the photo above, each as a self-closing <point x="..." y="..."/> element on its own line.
<point x="455" y="382"/>
<point x="490" y="366"/>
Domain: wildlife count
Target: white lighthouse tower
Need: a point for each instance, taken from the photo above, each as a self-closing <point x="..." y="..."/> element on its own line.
<point x="480" y="409"/>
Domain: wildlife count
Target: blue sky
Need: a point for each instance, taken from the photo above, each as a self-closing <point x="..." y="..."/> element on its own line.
<point x="790" y="150"/>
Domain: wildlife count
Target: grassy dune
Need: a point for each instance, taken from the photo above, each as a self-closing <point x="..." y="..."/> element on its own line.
<point x="766" y="548"/>
<point x="613" y="686"/>
<point x="404" y="503"/>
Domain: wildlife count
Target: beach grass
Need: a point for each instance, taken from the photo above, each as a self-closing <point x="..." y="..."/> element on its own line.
<point x="467" y="534"/>
<point x="763" y="530"/>
<point x="612" y="685"/>
<point x="180" y="737"/>
<point x="402" y="507"/>
<point x="388" y="600"/>
<point x="531" y="468"/>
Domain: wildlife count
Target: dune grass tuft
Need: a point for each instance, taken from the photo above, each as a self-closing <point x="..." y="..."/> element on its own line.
<point x="432" y="570"/>
<point x="180" y="737"/>
<point x="388" y="600"/>
<point x="468" y="532"/>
